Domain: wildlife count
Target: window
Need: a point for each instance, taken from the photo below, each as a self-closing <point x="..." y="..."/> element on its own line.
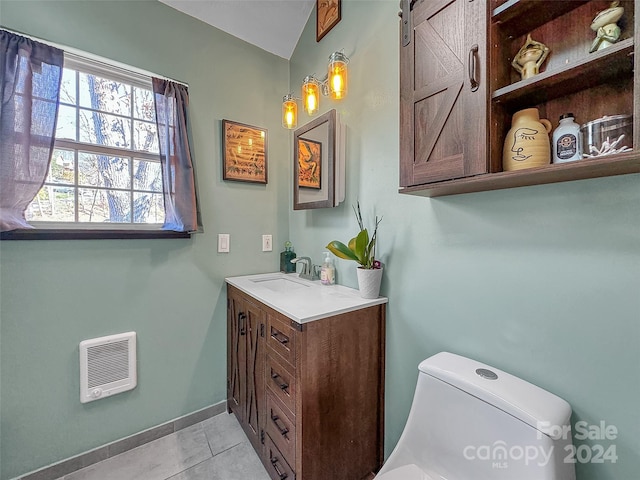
<point x="105" y="169"/>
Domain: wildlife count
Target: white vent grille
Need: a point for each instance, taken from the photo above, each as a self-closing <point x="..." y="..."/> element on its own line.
<point x="107" y="366"/>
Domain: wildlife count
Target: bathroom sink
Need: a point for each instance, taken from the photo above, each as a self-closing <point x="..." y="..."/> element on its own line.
<point x="299" y="299"/>
<point x="280" y="284"/>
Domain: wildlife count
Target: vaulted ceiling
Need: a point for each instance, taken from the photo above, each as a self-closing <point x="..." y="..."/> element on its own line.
<point x="273" y="25"/>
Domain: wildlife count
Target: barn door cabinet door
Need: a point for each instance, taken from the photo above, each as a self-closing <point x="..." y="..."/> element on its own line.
<point x="245" y="352"/>
<point x="443" y="92"/>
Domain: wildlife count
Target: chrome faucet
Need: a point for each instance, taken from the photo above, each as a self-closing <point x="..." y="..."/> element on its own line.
<point x="308" y="271"/>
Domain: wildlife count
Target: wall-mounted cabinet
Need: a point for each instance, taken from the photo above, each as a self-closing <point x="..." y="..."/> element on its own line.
<point x="590" y="85"/>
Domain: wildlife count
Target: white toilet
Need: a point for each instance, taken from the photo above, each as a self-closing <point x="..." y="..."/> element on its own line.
<point x="469" y="421"/>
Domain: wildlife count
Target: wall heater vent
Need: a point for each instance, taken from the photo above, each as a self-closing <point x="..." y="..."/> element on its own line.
<point x="107" y="366"/>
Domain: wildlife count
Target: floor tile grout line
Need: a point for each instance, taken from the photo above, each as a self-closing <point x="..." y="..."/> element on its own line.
<point x="227" y="449"/>
<point x="189" y="468"/>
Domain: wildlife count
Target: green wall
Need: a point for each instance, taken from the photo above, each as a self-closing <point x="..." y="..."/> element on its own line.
<point x="55" y="294"/>
<point x="542" y="282"/>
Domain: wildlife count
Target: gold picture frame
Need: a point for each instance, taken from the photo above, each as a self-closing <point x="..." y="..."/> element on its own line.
<point x="328" y="14"/>
<point x="244" y="151"/>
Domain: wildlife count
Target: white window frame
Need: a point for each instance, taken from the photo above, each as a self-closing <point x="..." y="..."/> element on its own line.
<point x="120" y="74"/>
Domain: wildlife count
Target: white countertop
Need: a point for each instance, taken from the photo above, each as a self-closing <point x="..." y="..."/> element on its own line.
<point x="302" y="300"/>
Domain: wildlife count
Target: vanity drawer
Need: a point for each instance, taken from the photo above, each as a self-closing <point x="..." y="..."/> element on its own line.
<point x="281" y="338"/>
<point x="277" y="464"/>
<point x="281" y="382"/>
<point x="280" y="427"/>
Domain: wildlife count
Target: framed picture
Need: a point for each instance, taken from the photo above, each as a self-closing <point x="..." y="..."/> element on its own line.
<point x="309" y="163"/>
<point x="244" y="151"/>
<point x="327" y="15"/>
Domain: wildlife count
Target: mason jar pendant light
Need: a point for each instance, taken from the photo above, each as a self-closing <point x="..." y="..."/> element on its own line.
<point x="289" y="112"/>
<point x="334" y="85"/>
<point x="311" y="95"/>
<point x="337" y="75"/>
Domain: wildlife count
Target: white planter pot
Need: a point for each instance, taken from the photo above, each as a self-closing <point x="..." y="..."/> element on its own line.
<point x="369" y="282"/>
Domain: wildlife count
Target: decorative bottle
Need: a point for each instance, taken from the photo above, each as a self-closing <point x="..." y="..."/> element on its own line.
<point x="328" y="271"/>
<point x="285" y="259"/>
<point x="527" y="143"/>
<point x="567" y="141"/>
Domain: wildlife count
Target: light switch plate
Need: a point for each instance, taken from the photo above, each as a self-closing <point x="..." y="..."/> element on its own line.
<point x="223" y="243"/>
<point x="267" y="243"/>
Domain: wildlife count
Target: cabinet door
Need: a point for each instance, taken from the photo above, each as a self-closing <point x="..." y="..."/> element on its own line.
<point x="236" y="355"/>
<point x="255" y="390"/>
<point x="443" y="93"/>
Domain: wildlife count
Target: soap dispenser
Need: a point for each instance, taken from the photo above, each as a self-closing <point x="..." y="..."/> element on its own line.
<point x="285" y="259"/>
<point x="328" y="271"/>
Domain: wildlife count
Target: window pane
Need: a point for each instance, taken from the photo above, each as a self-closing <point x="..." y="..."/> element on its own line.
<point x="68" y="86"/>
<point x="147" y="175"/>
<point x="105" y="95"/>
<point x="106" y="206"/>
<point x="145" y="136"/>
<point x="148" y="208"/>
<point x="103" y="129"/>
<point x="52" y="204"/>
<point x="144" y="107"/>
<point x="66" y="127"/>
<point x="103" y="171"/>
<point x="61" y="169"/>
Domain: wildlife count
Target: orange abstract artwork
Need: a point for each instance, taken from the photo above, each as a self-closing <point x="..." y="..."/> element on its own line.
<point x="328" y="15"/>
<point x="309" y="163"/>
<point x="245" y="152"/>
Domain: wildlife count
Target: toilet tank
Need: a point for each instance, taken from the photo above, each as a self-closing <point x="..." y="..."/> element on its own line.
<point x="469" y="421"/>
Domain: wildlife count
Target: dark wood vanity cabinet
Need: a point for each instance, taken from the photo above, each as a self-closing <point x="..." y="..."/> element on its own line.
<point x="443" y="91"/>
<point x="451" y="137"/>
<point x="320" y="410"/>
<point x="245" y="356"/>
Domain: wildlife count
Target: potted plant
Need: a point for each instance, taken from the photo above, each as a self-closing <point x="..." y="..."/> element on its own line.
<point x="362" y="249"/>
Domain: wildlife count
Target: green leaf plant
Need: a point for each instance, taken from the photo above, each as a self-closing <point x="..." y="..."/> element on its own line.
<point x="360" y="248"/>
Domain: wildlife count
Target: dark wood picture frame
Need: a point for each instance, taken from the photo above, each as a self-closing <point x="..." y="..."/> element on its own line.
<point x="244" y="152"/>
<point x="309" y="163"/>
<point x="328" y="14"/>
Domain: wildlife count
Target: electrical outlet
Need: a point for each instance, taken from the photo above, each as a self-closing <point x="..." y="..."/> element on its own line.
<point x="267" y="243"/>
<point x="223" y="243"/>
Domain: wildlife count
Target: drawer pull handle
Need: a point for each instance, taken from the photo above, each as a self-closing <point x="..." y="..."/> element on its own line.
<point x="279" y="337"/>
<point x="242" y="323"/>
<point x="283" y="430"/>
<point x="274" y="462"/>
<point x="283" y="385"/>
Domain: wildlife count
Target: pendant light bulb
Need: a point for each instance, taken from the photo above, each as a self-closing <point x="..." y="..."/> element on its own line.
<point x="338" y="75"/>
<point x="311" y="95"/>
<point x="289" y="112"/>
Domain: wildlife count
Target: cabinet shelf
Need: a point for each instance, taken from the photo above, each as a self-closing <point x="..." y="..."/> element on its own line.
<point x="597" y="68"/>
<point x="517" y="17"/>
<point x="620" y="164"/>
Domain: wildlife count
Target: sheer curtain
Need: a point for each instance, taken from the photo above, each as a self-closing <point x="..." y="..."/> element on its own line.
<point x="30" y="75"/>
<point x="180" y="204"/>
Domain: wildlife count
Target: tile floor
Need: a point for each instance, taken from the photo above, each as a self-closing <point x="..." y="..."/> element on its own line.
<point x="215" y="449"/>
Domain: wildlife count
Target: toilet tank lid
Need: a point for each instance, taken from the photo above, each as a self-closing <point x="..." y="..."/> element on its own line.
<point x="531" y="404"/>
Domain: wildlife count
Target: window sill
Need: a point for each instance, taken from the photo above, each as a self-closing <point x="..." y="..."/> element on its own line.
<point x="67" y="234"/>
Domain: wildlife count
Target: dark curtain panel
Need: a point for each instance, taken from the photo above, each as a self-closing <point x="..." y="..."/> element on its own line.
<point x="30" y="74"/>
<point x="180" y="204"/>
